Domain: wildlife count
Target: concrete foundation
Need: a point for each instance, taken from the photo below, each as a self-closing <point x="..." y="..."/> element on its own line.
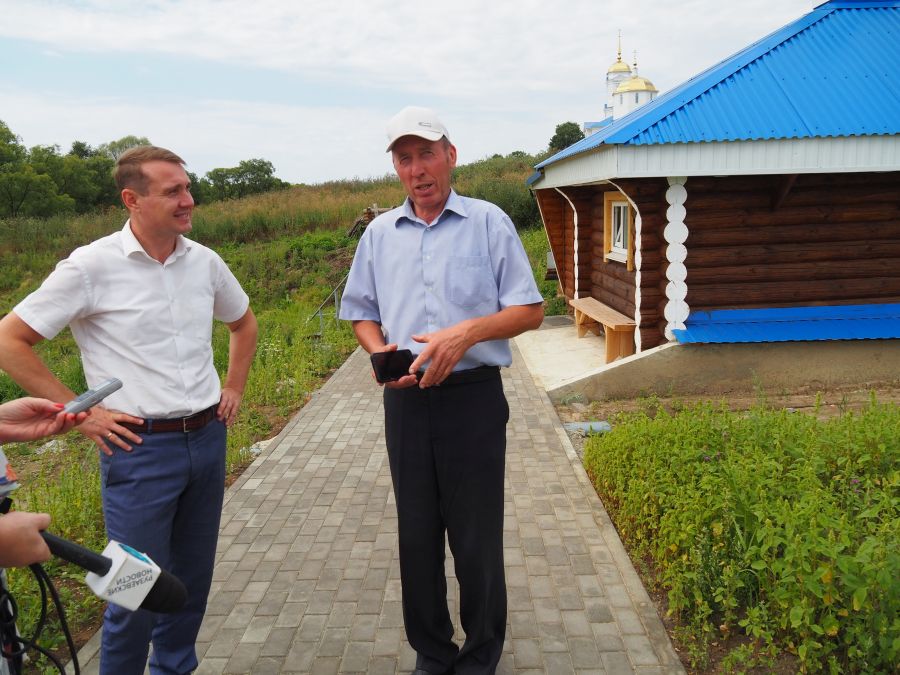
<point x="675" y="369"/>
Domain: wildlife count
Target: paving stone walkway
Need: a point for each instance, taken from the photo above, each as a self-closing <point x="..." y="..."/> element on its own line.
<point x="308" y="581"/>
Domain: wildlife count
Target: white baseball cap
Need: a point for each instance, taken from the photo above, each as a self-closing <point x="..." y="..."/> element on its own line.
<point x="415" y="121"/>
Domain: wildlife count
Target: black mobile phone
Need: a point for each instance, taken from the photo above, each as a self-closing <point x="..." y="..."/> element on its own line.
<point x="391" y="366"/>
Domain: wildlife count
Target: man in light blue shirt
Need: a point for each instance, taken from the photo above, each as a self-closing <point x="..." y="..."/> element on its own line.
<point x="446" y="277"/>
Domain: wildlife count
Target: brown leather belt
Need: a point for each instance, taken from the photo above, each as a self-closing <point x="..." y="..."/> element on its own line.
<point x="479" y="374"/>
<point x="182" y="424"/>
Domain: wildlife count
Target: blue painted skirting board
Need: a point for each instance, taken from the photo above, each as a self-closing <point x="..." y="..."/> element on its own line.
<point x="787" y="324"/>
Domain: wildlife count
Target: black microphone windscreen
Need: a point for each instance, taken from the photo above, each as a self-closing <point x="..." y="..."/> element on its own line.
<point x="75" y="553"/>
<point x="167" y="595"/>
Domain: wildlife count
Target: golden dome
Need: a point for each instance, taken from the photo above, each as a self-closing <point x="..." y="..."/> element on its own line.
<point x="635" y="84"/>
<point x="619" y="67"/>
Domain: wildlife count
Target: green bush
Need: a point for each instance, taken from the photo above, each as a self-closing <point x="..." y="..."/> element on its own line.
<point x="773" y="523"/>
<point x="536" y="246"/>
<point x="501" y="180"/>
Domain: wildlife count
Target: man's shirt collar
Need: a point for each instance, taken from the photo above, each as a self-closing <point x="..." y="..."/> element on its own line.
<point x="130" y="243"/>
<point x="454" y="204"/>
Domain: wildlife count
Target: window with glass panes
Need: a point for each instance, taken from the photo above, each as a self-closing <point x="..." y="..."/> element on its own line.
<point x="619" y="239"/>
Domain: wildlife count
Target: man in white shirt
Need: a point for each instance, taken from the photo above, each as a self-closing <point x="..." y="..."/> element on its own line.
<point x="141" y="303"/>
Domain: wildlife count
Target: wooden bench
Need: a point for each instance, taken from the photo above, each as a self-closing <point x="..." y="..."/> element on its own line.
<point x="619" y="329"/>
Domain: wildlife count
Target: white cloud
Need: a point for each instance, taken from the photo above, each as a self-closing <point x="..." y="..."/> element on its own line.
<point x="503" y="74"/>
<point x="305" y="144"/>
<point x="468" y="49"/>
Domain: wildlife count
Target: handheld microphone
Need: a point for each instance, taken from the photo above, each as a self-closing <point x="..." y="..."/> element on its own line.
<point x="123" y="576"/>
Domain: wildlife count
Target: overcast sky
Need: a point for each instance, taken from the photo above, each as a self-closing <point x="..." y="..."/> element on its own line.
<point x="309" y="85"/>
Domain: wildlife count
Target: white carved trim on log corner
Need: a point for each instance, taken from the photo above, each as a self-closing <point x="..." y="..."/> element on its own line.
<point x="637" y="268"/>
<point x="675" y="234"/>
<point x="574" y="241"/>
<point x="559" y="279"/>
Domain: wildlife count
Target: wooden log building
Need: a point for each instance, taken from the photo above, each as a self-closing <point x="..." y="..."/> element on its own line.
<point x="759" y="201"/>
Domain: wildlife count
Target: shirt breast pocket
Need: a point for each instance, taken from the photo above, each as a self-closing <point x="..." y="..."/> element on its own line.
<point x="470" y="281"/>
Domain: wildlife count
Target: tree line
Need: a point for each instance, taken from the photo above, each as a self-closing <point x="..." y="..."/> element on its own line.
<point x="41" y="181"/>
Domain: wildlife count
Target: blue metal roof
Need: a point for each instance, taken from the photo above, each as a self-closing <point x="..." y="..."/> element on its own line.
<point x="832" y="72"/>
<point x="792" y="324"/>
<point x="533" y="178"/>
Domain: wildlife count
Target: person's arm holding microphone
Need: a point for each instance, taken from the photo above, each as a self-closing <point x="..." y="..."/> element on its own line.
<point x="27" y="419"/>
<point x="21" y="543"/>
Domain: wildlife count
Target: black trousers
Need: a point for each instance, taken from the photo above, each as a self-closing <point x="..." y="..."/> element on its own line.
<point x="447" y="451"/>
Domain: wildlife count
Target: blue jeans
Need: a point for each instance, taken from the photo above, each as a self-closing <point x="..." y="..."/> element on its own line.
<point x="164" y="498"/>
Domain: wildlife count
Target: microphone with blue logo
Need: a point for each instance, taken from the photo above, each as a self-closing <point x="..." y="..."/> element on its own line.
<point x="123" y="576"/>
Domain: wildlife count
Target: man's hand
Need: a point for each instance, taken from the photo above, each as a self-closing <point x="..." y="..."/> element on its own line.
<point x="405" y="381"/>
<point x="229" y="405"/>
<point x="27" y="419"/>
<point x="104" y="428"/>
<point x="20" y="539"/>
<point x="444" y="348"/>
<point x="370" y="337"/>
<point x="241" y="348"/>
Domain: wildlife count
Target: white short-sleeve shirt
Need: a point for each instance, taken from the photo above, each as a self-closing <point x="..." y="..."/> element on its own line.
<point x="145" y="322"/>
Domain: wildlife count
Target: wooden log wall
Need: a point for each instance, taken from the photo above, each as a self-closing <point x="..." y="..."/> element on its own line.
<point x="553" y="208"/>
<point x="764" y="241"/>
<point x="582" y="199"/>
<point x="559" y="221"/>
<point x="755" y="241"/>
<point x="613" y="284"/>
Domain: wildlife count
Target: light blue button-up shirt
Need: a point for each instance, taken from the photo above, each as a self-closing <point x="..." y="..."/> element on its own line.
<point x="414" y="278"/>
